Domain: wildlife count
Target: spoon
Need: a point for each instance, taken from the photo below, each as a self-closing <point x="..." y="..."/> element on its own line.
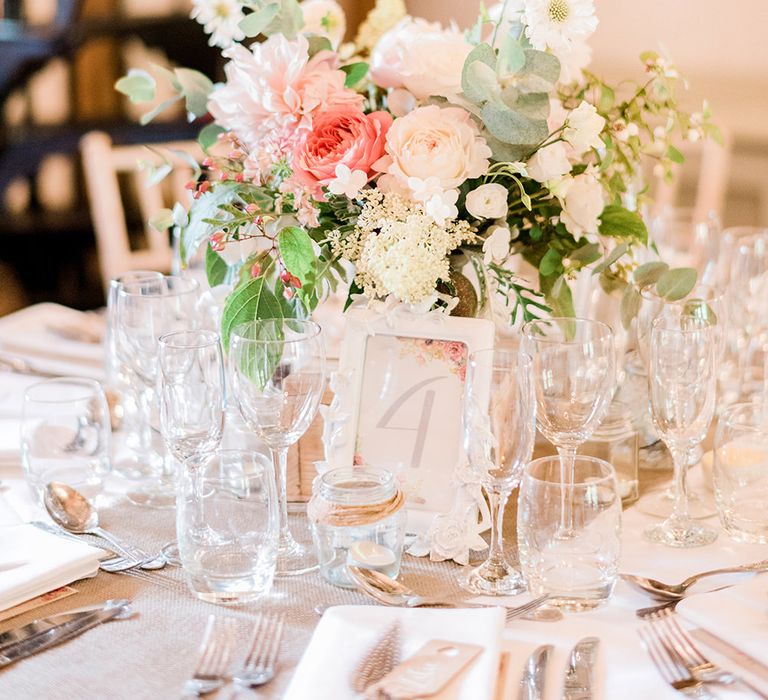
<point x="74" y="512"/>
<point x="678" y="590"/>
<point x="390" y="591"/>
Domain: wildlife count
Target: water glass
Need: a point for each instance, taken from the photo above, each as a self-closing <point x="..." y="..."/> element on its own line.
<point x="579" y="571"/>
<point x="227" y="527"/>
<point x="741" y="472"/>
<point x="65" y="435"/>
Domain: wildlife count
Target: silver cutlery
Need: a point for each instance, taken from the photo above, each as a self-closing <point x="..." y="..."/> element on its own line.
<point x="263" y="650"/>
<point x="44" y="634"/>
<point x="580" y="672"/>
<point x="678" y="590"/>
<point x="534" y="674"/>
<point x="678" y="643"/>
<point x="211" y="669"/>
<point x="383" y="656"/>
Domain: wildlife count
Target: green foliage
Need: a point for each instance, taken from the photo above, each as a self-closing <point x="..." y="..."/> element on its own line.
<point x="297" y="252"/>
<point x="208" y="136"/>
<point x="203" y="216"/>
<point x="139" y="86"/>
<point x="195" y="88"/>
<point x="318" y="43"/>
<point x="630" y="304"/>
<point x="649" y="273"/>
<point x="162" y="220"/>
<point x="676" y="284"/>
<point x="618" y="222"/>
<point x="257" y="22"/>
<point x="216" y="268"/>
<point x="248" y="302"/>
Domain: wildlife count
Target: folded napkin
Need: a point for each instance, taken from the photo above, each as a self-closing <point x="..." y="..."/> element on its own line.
<point x="346" y="633"/>
<point x="33" y="562"/>
<point x="739" y="615"/>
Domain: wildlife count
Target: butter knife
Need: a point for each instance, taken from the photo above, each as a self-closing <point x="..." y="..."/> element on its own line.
<point x="580" y="672"/>
<point x="59" y="634"/>
<point x="35" y="627"/>
<point x="534" y="674"/>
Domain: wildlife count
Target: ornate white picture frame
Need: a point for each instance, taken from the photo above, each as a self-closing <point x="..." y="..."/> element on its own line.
<point x="397" y="404"/>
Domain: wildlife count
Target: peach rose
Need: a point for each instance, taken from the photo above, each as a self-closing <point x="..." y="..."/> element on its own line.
<point x="339" y="136"/>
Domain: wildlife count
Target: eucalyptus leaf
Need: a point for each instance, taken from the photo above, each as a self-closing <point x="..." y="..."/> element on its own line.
<point x="256" y="22"/>
<point x="506" y="152"/>
<point x="158" y="174"/>
<point x="649" y="273"/>
<point x="611" y="258"/>
<point x="542" y="65"/>
<point x="485" y="54"/>
<point x="630" y="304"/>
<point x="138" y="86"/>
<point x="289" y="20"/>
<point x="676" y="283"/>
<point x="251" y="301"/>
<point x="209" y="136"/>
<point x="216" y="268"/>
<point x="207" y="207"/>
<point x="147" y="117"/>
<point x="483" y="81"/>
<point x="587" y="254"/>
<point x="534" y="105"/>
<point x="511" y="58"/>
<point x="162" y="220"/>
<point x="195" y="88"/>
<point x="512" y="127"/>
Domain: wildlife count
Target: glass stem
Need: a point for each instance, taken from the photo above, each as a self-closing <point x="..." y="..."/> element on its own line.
<point x="680" y="506"/>
<point x="280" y="460"/>
<point x="567" y="465"/>
<point x="497" y="501"/>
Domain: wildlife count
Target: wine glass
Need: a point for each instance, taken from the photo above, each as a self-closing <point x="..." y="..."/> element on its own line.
<point x="682" y="385"/>
<point x="191" y="389"/>
<point x="277" y="368"/>
<point x="499" y="431"/>
<point x="574" y="378"/>
<point x="146" y="310"/>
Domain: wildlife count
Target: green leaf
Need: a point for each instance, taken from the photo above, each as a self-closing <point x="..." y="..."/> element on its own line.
<point x="505" y="152"/>
<point x="297" y="251"/>
<point x="215" y="267"/>
<point x="543" y="66"/>
<point x="699" y="308"/>
<point x="586" y="254"/>
<point x="138" y="86"/>
<point x="649" y="273"/>
<point x="209" y="136"/>
<point x="158" y="173"/>
<point x="562" y="303"/>
<point x="195" y="88"/>
<point x="611" y="258"/>
<point x="630" y="304"/>
<point x="610" y="283"/>
<point x="207" y="207"/>
<point x="674" y="155"/>
<point x="511" y="56"/>
<point x="676" y="283"/>
<point x="618" y="222"/>
<point x="162" y="220"/>
<point x="551" y="263"/>
<point x="149" y="116"/>
<point x="512" y="127"/>
<point x="256" y="22"/>
<point x="607" y="98"/>
<point x="288" y="21"/>
<point x="355" y="73"/>
<point x="485" y="54"/>
<point x="483" y="80"/>
<point x="251" y="301"/>
<point x="318" y="43"/>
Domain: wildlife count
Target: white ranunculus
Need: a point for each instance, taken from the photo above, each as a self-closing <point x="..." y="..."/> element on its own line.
<point x="439" y="142"/>
<point x="324" y="18"/>
<point x="421" y="57"/>
<point x="496" y="245"/>
<point x="582" y="204"/>
<point x="549" y="163"/>
<point x="583" y="127"/>
<point x="488" y="201"/>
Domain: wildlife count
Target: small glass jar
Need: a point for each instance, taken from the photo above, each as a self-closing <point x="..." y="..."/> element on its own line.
<point x="617" y="442"/>
<point x="357" y="518"/>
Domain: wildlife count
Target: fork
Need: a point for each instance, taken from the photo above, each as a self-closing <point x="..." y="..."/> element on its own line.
<point x="672" y="633"/>
<point x="521" y="610"/>
<point x="671" y="668"/>
<point x="263" y="648"/>
<point x="213" y="658"/>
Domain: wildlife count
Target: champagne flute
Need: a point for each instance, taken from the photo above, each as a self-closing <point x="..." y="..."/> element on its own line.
<point x="682" y="385"/>
<point x="146" y="310"/>
<point x="499" y="431"/>
<point x="277" y="367"/>
<point x="574" y="378"/>
<point x="191" y="389"/>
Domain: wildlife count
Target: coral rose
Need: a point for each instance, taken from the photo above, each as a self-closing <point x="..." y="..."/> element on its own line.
<point x="340" y="136"/>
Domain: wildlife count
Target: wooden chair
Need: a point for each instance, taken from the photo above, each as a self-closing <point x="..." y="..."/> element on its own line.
<point x="103" y="163"/>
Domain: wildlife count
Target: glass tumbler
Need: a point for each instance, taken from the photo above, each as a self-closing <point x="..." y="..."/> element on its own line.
<point x="227" y="527"/>
<point x="579" y="571"/>
<point x="65" y="435"/>
<point x="741" y="472"/>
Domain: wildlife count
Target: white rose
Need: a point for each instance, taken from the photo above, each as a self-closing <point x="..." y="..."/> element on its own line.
<point x="420" y="56"/>
<point x="582" y="205"/>
<point x="443" y="143"/>
<point x="324" y="18"/>
<point x="496" y="246"/>
<point x="583" y="127"/>
<point x="549" y="163"/>
<point x="488" y="201"/>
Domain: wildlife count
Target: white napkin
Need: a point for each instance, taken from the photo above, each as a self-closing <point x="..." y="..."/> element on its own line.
<point x="346" y="633"/>
<point x="33" y="562"/>
<point x="720" y="611"/>
<point x="10" y="454"/>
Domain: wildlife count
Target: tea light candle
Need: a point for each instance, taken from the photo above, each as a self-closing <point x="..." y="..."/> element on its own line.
<point x="370" y="555"/>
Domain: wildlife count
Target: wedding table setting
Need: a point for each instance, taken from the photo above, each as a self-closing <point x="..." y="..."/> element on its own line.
<point x="537" y="411"/>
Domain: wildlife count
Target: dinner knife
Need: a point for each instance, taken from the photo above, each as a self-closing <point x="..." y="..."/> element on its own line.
<point x="580" y="672"/>
<point x="534" y="674"/>
<point x="42" y="634"/>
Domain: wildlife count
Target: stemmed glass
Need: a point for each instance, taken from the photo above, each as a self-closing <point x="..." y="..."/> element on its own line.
<point x="499" y="431"/>
<point x="277" y="368"/>
<point x="146" y="310"/>
<point x="682" y="385"/>
<point x="574" y="377"/>
<point x="191" y="389"/>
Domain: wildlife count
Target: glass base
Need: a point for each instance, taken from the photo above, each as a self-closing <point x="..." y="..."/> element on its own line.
<point x="661" y="503"/>
<point x="294" y="559"/>
<point x="157" y="494"/>
<point x="681" y="533"/>
<point x="492" y="578"/>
